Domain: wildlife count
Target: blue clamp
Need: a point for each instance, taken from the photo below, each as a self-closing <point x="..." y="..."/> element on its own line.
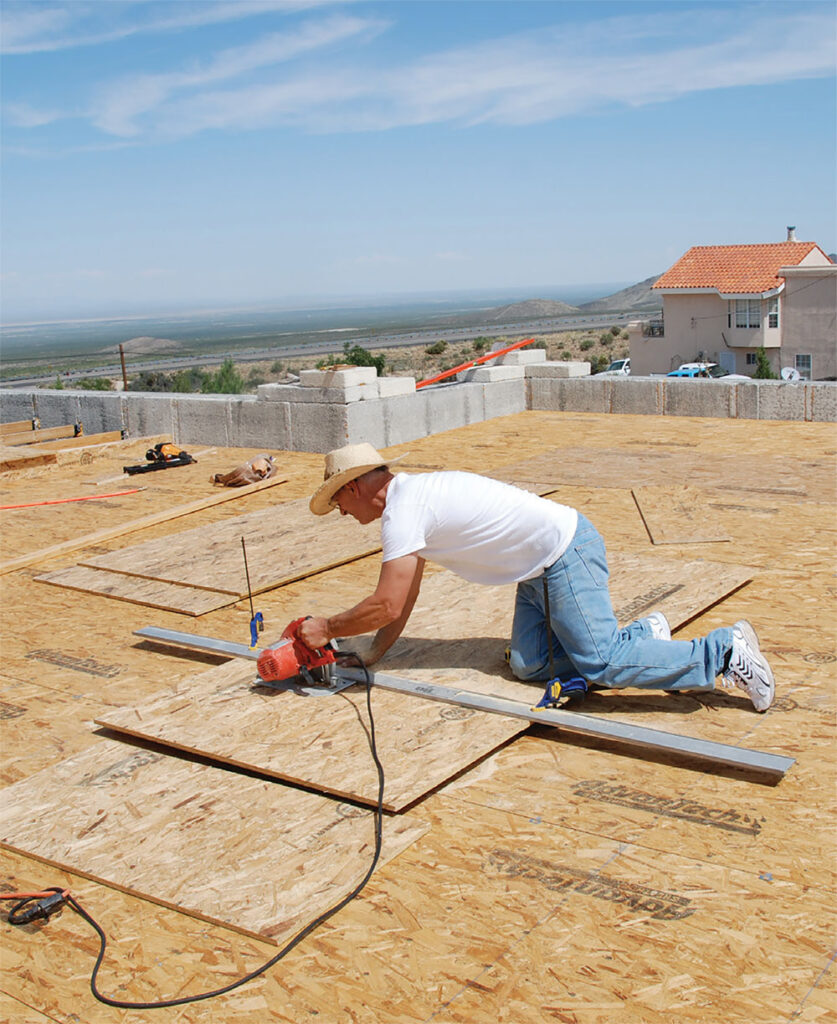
<point x="558" y="691"/>
<point x="256" y="627"/>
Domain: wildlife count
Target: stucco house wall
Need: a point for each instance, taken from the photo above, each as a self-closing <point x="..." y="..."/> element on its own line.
<point x="810" y="318"/>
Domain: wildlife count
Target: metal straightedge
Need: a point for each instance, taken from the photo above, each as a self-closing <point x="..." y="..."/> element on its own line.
<point x="569" y="721"/>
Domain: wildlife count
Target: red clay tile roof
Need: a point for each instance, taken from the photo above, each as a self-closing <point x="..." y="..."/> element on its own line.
<point x="740" y="269"/>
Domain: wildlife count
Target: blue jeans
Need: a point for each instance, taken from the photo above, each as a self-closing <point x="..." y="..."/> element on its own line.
<point x="587" y="640"/>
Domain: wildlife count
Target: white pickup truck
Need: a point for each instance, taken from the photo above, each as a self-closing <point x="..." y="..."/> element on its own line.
<point x="618" y="368"/>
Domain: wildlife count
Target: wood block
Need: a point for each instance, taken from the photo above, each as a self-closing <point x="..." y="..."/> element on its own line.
<point x="34" y="436"/>
<point x="319" y="742"/>
<point x="173" y="597"/>
<point x="284" y="543"/>
<point x="196" y="838"/>
<point x="677" y="515"/>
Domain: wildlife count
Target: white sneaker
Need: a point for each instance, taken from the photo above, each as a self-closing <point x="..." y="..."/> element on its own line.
<point x="748" y="667"/>
<point x="660" y="628"/>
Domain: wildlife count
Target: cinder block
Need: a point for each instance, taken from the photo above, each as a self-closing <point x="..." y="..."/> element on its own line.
<point x="580" y="394"/>
<point x="100" y="411"/>
<point x="147" y="413"/>
<point x="315" y="427"/>
<point x="388" y="387"/>
<point x="57" y="408"/>
<point x="328" y="396"/>
<point x="350" y="376"/>
<point x="489" y="374"/>
<point x="698" y="398"/>
<point x="821" y="401"/>
<point x="504" y="398"/>
<point x="203" y="419"/>
<point x="641" y="396"/>
<point x="521" y="357"/>
<point x="449" y="406"/>
<point x="405" y="417"/>
<point x="780" y="400"/>
<point x="559" y="369"/>
<point x="16" y="404"/>
<point x="366" y="421"/>
<point x="257" y="424"/>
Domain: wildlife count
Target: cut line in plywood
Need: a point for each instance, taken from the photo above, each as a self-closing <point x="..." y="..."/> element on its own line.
<point x="284" y="543"/>
<point x="678" y="515"/>
<point x="172" y="597"/>
<point x="198" y="839"/>
<point x="318" y="742"/>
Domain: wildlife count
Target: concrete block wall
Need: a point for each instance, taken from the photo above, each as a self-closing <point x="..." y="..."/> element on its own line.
<point x="305" y="418"/>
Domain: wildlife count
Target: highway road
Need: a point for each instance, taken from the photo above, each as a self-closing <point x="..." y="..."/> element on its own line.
<point x="283" y="351"/>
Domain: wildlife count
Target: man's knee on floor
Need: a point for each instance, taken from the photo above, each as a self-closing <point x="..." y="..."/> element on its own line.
<point x="527" y="672"/>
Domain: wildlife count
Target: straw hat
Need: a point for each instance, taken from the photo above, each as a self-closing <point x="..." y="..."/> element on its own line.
<point x="341" y="466"/>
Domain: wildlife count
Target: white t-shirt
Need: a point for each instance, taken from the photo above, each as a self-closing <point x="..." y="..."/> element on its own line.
<point x="481" y="529"/>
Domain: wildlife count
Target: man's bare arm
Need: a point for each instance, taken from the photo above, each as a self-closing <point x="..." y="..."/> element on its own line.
<point x="389" y="606"/>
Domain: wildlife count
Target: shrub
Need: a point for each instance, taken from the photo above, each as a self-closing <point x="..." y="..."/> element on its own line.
<point x="151" y="380"/>
<point x="276" y="367"/>
<point x="359" y="356"/>
<point x="437" y="348"/>
<point x="616" y="330"/>
<point x="763" y="369"/>
<point x="566" y="355"/>
<point x="227" y="381"/>
<point x="188" y="381"/>
<point x="606" y="339"/>
<point x="586" y="344"/>
<point x="94" y="384"/>
<point x="540" y="343"/>
<point x="480" y="344"/>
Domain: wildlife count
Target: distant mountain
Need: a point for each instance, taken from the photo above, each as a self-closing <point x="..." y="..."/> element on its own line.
<point x="531" y="309"/>
<point x="638" y="296"/>
<point x="833" y="257"/>
<point x="146" y="346"/>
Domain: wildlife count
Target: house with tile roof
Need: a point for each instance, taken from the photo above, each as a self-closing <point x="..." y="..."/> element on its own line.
<point x="721" y="303"/>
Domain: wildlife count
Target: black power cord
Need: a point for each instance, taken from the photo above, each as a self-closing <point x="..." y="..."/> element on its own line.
<point x="53" y="898"/>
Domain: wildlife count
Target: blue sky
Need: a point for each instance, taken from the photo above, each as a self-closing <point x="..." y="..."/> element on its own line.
<point x="180" y="154"/>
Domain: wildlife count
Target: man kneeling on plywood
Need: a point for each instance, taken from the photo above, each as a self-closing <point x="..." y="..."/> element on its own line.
<point x="493" y="533"/>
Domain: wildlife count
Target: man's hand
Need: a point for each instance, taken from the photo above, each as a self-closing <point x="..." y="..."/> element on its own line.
<point x="313" y="632"/>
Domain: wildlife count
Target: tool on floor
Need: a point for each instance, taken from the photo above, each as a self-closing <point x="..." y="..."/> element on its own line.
<point x="162" y="456"/>
<point x="557" y="692"/>
<point x="256" y="618"/>
<point x="572" y="722"/>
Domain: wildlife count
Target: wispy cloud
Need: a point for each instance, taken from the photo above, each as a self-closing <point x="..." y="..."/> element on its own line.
<point x="117" y="110"/>
<point x="525" y="78"/>
<point x="67" y="25"/>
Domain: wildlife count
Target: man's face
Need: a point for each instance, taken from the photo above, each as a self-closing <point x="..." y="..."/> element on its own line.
<point x="352" y="502"/>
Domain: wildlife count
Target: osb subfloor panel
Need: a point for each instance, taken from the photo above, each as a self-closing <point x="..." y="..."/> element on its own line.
<point x="450" y="930"/>
<point x="173" y="597"/>
<point x="150" y="824"/>
<point x="316" y="741"/>
<point x="283" y="543"/>
<point x="217" y="714"/>
<point x="678" y="515"/>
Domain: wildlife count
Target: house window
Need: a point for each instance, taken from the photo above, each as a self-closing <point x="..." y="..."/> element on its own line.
<point x="773" y="312"/>
<point x="803" y="364"/>
<point x="747" y="313"/>
<point x="752" y="359"/>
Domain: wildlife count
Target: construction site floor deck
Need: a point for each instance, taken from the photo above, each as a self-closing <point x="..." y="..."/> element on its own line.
<point x="527" y="876"/>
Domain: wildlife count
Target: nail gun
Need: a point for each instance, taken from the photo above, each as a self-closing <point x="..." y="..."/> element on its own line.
<point x="291" y="659"/>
